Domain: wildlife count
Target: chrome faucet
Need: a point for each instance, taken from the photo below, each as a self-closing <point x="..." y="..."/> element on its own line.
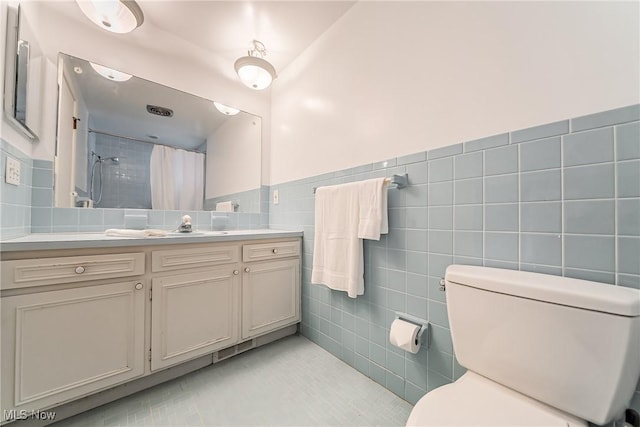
<point x="185" y="227"/>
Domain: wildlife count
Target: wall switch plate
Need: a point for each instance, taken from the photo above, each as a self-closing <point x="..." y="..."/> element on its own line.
<point x="12" y="172"/>
<point x="276" y="197"/>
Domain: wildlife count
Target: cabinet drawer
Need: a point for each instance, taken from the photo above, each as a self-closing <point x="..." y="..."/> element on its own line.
<point x="175" y="259"/>
<point x="49" y="271"/>
<point x="262" y="251"/>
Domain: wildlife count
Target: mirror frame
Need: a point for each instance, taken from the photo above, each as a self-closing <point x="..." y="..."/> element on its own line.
<point x="16" y="73"/>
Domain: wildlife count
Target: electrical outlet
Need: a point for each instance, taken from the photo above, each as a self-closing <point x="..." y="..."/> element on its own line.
<point x="12" y="172"/>
<point x="276" y="197"/>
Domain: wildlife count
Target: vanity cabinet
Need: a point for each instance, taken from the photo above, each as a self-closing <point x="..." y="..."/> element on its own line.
<point x="80" y="323"/>
<point x="270" y="287"/>
<point x="63" y="344"/>
<point x="195" y="308"/>
<point x="193" y="314"/>
<point x="196" y="313"/>
<point x="270" y="296"/>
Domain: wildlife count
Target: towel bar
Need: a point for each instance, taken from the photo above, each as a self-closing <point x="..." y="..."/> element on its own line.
<point x="400" y="181"/>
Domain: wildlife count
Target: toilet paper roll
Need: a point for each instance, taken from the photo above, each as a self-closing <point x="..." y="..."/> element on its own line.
<point x="405" y="335"/>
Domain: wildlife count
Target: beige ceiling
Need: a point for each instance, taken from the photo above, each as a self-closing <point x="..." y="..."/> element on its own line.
<point x="225" y="29"/>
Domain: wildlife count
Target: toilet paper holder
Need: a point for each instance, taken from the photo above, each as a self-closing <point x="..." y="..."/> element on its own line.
<point x="424" y="326"/>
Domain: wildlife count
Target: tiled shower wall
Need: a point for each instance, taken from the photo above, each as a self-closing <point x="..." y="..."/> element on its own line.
<point x="126" y="183"/>
<point x="561" y="198"/>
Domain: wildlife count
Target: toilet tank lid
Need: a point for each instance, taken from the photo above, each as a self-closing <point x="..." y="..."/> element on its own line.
<point x="577" y="293"/>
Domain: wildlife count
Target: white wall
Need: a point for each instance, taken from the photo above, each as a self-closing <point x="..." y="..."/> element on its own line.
<point x="395" y="78"/>
<point x="233" y="157"/>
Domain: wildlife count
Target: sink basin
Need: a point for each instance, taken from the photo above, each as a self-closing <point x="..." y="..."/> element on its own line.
<point x="179" y="234"/>
<point x="196" y="233"/>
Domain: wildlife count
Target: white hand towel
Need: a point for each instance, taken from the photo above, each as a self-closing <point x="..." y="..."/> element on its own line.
<point x="224" y="207"/>
<point x="372" y="196"/>
<point x="123" y="232"/>
<point x="342" y="213"/>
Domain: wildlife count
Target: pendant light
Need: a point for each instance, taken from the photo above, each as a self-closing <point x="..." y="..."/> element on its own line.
<point x="110" y="73"/>
<point x="117" y="16"/>
<point x="225" y="109"/>
<point x="254" y="71"/>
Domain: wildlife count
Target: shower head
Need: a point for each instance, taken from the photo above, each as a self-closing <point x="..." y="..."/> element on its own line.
<point x="114" y="160"/>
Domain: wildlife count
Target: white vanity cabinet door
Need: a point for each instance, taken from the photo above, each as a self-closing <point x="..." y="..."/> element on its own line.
<point x="64" y="344"/>
<point x="193" y="314"/>
<point x="270" y="296"/>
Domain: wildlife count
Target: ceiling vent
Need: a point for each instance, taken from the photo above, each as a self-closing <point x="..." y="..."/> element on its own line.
<point x="159" y="111"/>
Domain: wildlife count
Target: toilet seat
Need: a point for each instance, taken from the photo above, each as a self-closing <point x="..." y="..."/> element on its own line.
<point x="474" y="400"/>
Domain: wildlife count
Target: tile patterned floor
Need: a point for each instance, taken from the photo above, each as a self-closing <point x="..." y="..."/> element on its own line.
<point x="291" y="382"/>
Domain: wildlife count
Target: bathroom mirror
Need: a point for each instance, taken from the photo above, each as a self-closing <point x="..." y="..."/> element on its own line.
<point x="126" y="142"/>
<point x="22" y="76"/>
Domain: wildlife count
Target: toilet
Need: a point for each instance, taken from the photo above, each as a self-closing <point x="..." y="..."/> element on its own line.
<point x="539" y="350"/>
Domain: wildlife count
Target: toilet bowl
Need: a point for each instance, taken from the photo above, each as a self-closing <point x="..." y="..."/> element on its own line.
<point x="539" y="350"/>
<point x="477" y="401"/>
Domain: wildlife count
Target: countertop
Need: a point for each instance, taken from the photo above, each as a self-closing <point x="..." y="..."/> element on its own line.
<point x="46" y="241"/>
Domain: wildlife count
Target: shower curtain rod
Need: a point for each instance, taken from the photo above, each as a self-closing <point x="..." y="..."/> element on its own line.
<point x="141" y="140"/>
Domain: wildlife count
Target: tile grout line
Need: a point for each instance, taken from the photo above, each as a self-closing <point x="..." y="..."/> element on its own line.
<point x="519" y="207"/>
<point x="616" y="237"/>
<point x="562" y="202"/>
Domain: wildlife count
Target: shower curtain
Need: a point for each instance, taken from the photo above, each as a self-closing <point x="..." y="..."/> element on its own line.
<point x="177" y="179"/>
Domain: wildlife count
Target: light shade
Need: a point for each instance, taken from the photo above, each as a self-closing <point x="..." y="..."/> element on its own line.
<point x="225" y="109"/>
<point x="110" y="73"/>
<point x="254" y="71"/>
<point x="117" y="16"/>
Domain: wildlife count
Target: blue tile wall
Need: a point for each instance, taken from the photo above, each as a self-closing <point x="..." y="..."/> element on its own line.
<point x="64" y="220"/>
<point x="15" y="201"/>
<point x="28" y="208"/>
<point x="560" y="198"/>
<point x="128" y="182"/>
<point x="250" y="201"/>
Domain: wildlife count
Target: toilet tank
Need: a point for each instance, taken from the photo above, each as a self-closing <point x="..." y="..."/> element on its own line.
<point x="572" y="344"/>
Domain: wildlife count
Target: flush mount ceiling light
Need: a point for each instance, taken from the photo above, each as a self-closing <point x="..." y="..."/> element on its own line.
<point x="117" y="16"/>
<point x="254" y="71"/>
<point x="110" y="74"/>
<point x="225" y="109"/>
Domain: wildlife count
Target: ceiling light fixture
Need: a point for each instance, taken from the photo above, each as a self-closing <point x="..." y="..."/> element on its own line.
<point x="254" y="71"/>
<point x="117" y="16"/>
<point x="110" y="73"/>
<point x="225" y="109"/>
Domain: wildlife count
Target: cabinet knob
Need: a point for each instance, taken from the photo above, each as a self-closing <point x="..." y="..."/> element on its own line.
<point x="236" y="272"/>
<point x="139" y="286"/>
<point x="79" y="269"/>
<point x="247" y="269"/>
<point x="274" y="250"/>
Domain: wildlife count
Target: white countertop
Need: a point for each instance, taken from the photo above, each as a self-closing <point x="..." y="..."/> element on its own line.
<point x="45" y="241"/>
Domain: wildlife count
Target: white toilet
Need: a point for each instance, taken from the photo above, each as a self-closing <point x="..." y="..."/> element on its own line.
<point x="540" y="351"/>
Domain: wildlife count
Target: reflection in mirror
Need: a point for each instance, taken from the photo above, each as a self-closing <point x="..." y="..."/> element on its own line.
<point x="23" y="74"/>
<point x="126" y="142"/>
